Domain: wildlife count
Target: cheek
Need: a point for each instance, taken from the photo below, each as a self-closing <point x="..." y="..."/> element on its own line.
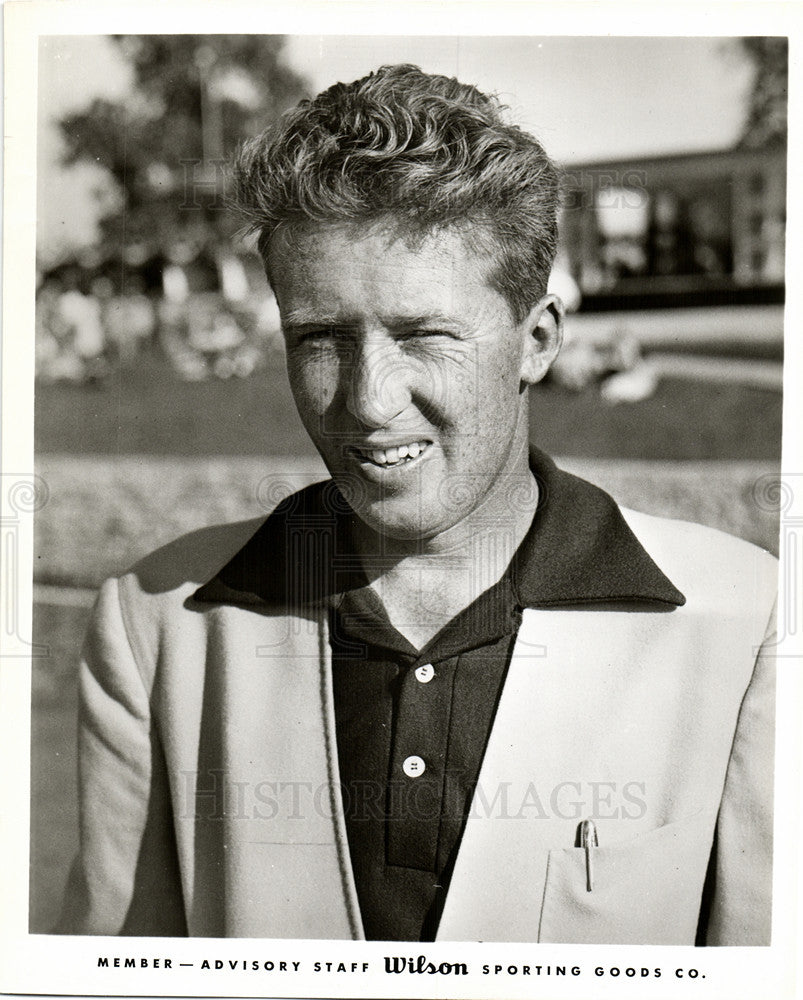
<point x="446" y="382"/>
<point x="502" y="384"/>
<point x="314" y="382"/>
<point x="489" y="395"/>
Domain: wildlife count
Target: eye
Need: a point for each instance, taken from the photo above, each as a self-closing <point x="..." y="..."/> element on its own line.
<point x="314" y="337"/>
<point x="425" y="334"/>
<point x="325" y="333"/>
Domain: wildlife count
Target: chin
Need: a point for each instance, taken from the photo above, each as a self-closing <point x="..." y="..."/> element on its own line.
<point x="401" y="525"/>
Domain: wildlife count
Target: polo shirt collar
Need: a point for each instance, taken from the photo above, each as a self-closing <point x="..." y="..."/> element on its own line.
<point x="579" y="550"/>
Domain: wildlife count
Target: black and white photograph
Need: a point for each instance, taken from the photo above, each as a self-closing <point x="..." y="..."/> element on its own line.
<point x="406" y="498"/>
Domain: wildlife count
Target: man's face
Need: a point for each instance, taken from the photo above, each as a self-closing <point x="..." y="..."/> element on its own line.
<point x="408" y="371"/>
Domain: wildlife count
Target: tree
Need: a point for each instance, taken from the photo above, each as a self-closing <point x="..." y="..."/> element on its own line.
<point x="195" y="98"/>
<point x="766" y="118"/>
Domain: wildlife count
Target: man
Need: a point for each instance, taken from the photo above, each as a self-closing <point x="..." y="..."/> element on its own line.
<point x="453" y="692"/>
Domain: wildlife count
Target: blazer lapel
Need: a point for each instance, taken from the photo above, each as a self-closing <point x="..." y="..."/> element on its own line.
<point x="588" y="704"/>
<point x="267" y="830"/>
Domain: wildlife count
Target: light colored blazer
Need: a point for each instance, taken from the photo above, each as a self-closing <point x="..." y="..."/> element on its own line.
<point x="209" y="774"/>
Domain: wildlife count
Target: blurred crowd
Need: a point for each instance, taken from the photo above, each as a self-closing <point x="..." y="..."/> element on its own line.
<point x="611" y="361"/>
<point x="86" y="327"/>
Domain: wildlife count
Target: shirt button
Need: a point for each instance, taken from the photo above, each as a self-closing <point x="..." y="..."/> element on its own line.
<point x="413" y="766"/>
<point x="425" y="673"/>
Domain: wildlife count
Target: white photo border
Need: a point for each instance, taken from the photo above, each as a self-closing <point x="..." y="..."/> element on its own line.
<point x="69" y="966"/>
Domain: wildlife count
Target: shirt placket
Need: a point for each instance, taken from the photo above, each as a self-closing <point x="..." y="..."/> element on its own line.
<point x="418" y="760"/>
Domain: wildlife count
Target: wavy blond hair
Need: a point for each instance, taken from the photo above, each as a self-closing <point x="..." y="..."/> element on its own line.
<point x="414" y="152"/>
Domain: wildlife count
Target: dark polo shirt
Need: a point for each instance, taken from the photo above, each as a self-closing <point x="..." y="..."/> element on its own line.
<point x="411" y="730"/>
<point x="412" y="725"/>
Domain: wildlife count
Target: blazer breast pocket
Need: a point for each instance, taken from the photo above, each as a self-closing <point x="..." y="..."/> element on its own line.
<point x="646" y="890"/>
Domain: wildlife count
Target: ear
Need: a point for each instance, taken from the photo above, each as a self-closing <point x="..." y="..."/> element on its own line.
<point x="543" y="333"/>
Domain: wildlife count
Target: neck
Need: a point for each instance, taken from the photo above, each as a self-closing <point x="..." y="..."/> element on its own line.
<point x="425" y="583"/>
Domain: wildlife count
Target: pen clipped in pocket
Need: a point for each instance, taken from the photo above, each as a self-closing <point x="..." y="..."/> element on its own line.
<point x="645" y="890"/>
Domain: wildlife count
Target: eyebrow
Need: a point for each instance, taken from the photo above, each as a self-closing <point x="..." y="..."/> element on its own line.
<point x="434" y="319"/>
<point x="300" y="320"/>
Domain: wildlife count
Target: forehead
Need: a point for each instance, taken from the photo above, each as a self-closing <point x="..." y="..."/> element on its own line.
<point x="341" y="263"/>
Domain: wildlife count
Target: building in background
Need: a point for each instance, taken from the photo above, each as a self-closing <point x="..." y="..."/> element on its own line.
<point x="692" y="229"/>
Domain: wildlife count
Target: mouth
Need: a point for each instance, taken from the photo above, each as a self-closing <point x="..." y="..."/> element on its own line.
<point x="392" y="458"/>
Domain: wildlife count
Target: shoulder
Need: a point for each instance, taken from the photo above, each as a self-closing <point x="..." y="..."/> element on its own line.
<point x="152" y="600"/>
<point x="708" y="565"/>
<point x="695" y="540"/>
<point x="179" y="585"/>
<point x="185" y="564"/>
<point x="188" y="561"/>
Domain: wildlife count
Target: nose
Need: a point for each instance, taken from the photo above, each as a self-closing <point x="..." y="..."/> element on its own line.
<point x="378" y="383"/>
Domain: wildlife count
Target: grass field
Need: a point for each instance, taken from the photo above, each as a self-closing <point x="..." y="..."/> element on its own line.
<point x="150" y="411"/>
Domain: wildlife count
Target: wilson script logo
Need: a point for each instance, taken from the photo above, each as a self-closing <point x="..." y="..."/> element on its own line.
<point x="422" y="966"/>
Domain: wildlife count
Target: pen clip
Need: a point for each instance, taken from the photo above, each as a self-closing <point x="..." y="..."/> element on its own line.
<point x="589" y="840"/>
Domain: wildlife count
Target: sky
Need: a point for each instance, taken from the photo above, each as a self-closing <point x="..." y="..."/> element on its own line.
<point x="586" y="98"/>
<point x="71" y="200"/>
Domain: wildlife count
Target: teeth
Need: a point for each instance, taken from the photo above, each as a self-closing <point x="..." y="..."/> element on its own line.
<point x="392" y="456"/>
